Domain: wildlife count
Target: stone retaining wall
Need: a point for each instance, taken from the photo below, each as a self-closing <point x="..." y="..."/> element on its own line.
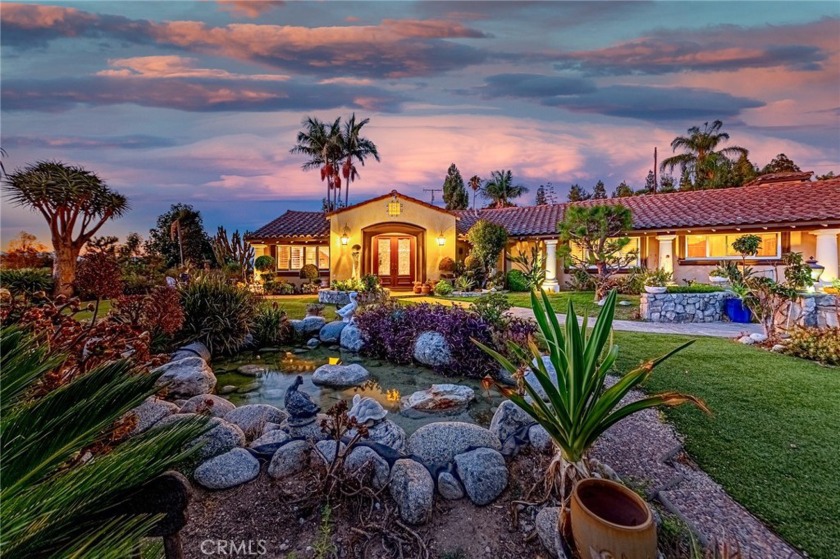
<point x="683" y="307"/>
<point x="814" y="310"/>
<point x="333" y="297"/>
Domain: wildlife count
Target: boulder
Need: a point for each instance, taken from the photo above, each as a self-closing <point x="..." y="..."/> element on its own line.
<point x="531" y="379"/>
<point x="150" y="412"/>
<point x="222" y="436"/>
<point x="313" y="343"/>
<point x="331" y="332"/>
<point x="227" y="389"/>
<point x="746" y="340"/>
<point x="227" y="470"/>
<point x="186" y="377"/>
<point x="437" y="444"/>
<point x="289" y="459"/>
<point x="387" y="433"/>
<point x="207" y="404"/>
<point x="195" y="349"/>
<point x="779" y="348"/>
<point x="439" y="398"/>
<point x="364" y="457"/>
<point x="432" y="349"/>
<point x="340" y="375"/>
<point x="484" y="474"/>
<point x="252" y="418"/>
<point x="546" y="523"/>
<point x="509" y="420"/>
<point x="311" y="431"/>
<point x="412" y="488"/>
<point x="309" y="326"/>
<point x="351" y="338"/>
<point x="758" y="338"/>
<point x="540" y="439"/>
<point x="271" y="437"/>
<point x="449" y="487"/>
<point x="325" y="451"/>
<point x="251" y="370"/>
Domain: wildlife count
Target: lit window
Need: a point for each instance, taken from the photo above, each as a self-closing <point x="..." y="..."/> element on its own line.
<point x="283" y="257"/>
<point x="293" y="257"/>
<point x="297" y="258"/>
<point x="311" y="254"/>
<point x="720" y="246"/>
<point x="632" y="246"/>
<point x="323" y="257"/>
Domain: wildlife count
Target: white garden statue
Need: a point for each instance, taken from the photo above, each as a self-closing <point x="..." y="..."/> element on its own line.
<point x="347" y="311"/>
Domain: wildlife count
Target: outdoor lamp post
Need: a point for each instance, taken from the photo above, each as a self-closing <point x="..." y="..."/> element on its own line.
<point x="816" y="269"/>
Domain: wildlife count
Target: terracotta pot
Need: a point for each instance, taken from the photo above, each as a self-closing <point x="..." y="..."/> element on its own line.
<point x="425" y="289"/>
<point x="609" y="520"/>
<point x="417" y="288"/>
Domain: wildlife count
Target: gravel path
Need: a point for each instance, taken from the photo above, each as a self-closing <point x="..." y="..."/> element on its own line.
<point x="648" y="451"/>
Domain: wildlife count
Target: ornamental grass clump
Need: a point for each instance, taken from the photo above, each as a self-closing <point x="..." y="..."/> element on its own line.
<point x="575" y="406"/>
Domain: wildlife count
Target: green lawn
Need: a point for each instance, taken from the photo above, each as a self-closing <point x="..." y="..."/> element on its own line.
<point x="583" y="301"/>
<point x="773" y="440"/>
<point x="85" y="315"/>
<point x="295" y="305"/>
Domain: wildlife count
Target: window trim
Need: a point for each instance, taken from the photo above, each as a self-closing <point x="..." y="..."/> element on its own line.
<point x="305" y="249"/>
<point x="688" y="258"/>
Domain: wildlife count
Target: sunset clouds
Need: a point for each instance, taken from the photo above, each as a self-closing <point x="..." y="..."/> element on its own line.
<point x="200" y="103"/>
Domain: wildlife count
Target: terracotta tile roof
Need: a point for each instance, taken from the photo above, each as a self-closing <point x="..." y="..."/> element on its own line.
<point x="294" y="224"/>
<point x="519" y="221"/>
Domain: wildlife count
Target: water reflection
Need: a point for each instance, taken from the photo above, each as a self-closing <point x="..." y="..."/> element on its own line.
<point x="387" y="385"/>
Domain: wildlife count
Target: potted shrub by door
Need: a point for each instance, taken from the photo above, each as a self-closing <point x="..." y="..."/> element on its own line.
<point x="425" y="289"/>
<point x="418" y="285"/>
<point x="572" y="403"/>
<point x="657" y="280"/>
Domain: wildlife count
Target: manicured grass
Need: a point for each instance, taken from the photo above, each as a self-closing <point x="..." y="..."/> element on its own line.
<point x="582" y="300"/>
<point x="85" y="315"/>
<point x="295" y="305"/>
<point x="773" y="439"/>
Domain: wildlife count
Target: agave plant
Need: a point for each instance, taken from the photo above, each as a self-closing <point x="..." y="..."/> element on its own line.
<point x="576" y="406"/>
<point x="65" y="477"/>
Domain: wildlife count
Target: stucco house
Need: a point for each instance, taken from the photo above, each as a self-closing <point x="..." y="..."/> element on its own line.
<point x="402" y="239"/>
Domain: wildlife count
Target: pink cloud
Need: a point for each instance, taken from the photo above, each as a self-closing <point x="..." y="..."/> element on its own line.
<point x="172" y="66"/>
<point x="249" y="8"/>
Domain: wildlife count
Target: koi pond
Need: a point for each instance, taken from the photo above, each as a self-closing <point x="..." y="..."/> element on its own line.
<point x="387" y="385"/>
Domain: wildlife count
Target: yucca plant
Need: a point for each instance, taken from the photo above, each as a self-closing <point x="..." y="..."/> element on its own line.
<point x="578" y="407"/>
<point x="67" y="468"/>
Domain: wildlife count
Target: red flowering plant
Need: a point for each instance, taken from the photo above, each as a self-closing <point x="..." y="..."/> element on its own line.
<point x="159" y="313"/>
<point x="98" y="277"/>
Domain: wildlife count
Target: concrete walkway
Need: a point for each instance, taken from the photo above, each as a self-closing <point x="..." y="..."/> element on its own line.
<point x="714" y="329"/>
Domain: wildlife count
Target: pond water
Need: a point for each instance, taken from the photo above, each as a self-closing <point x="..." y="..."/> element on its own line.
<point x="387" y="385"/>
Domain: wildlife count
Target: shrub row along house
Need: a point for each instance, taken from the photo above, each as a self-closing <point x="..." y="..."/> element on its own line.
<point x="403" y="240"/>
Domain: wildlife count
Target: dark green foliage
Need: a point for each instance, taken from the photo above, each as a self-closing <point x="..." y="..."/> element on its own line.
<point x="264" y="263"/>
<point x="443" y="288"/>
<point x="492" y="308"/>
<point x="516" y="281"/>
<point x="702" y="164"/>
<point x="781" y="164"/>
<point x="454" y="194"/>
<point x="797" y="272"/>
<point x="650" y="184"/>
<point x="694" y="288"/>
<point x="54" y="504"/>
<point x="623" y="190"/>
<point x="500" y="189"/>
<point x="666" y="184"/>
<point x="488" y="240"/>
<point x="271" y="326"/>
<point x="577" y="193"/>
<point x="633" y="282"/>
<point x="309" y="272"/>
<point x="163" y="239"/>
<point x="599" y="191"/>
<point x="541" y="199"/>
<point x="23" y="282"/>
<point x="216" y="313"/>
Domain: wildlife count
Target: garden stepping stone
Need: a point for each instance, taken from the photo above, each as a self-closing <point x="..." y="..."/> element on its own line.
<point x="289" y="459"/>
<point x="186" y="378"/>
<point x="413" y="489"/>
<point x="207" y="404"/>
<point x="227" y="470"/>
<point x="150" y="412"/>
<point x="227" y="389"/>
<point x="351" y="338"/>
<point x="331" y="332"/>
<point x="437" y="444"/>
<point x="439" y="398"/>
<point x="340" y="375"/>
<point x="484" y="474"/>
<point x="252" y="418"/>
<point x="432" y="349"/>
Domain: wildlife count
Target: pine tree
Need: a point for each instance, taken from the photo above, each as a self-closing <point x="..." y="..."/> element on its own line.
<point x="599" y="192"/>
<point x="454" y="193"/>
<point x="781" y="164"/>
<point x="623" y="190"/>
<point x="577" y="193"/>
<point x="650" y="184"/>
<point x="541" y="200"/>
<point x="666" y="184"/>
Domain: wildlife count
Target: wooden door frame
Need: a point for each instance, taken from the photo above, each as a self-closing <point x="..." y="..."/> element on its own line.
<point x="400" y="229"/>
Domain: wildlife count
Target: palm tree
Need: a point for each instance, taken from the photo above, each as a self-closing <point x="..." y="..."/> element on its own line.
<point x="700" y="157"/>
<point x="500" y="189"/>
<point x="322" y="145"/>
<point x="65" y="484"/>
<point x="475" y="184"/>
<point x="354" y="146"/>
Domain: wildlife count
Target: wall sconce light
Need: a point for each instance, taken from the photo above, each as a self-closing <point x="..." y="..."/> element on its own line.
<point x="441" y="240"/>
<point x="345" y="236"/>
<point x="394" y="206"/>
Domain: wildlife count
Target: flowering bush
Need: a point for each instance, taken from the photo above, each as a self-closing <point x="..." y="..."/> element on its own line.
<point x="818" y="344"/>
<point x="159" y="313"/>
<point x="390" y="331"/>
<point x="98" y="276"/>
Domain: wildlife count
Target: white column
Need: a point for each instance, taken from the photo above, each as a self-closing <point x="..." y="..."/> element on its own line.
<point x="827" y="253"/>
<point x="550" y="283"/>
<point x="666" y="252"/>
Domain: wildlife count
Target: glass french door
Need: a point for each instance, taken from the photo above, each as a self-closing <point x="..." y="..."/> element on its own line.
<point x="395" y="261"/>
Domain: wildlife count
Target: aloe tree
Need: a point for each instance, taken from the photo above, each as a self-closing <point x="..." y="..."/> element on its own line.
<point x="64" y="478"/>
<point x="570" y="398"/>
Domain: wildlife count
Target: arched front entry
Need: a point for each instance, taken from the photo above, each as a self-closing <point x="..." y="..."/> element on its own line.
<point x="395" y="252"/>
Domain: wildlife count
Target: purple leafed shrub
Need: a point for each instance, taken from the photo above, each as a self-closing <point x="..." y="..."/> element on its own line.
<point x="390" y="331"/>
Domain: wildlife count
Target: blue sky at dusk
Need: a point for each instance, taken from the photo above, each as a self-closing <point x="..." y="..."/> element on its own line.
<point x="200" y="102"/>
